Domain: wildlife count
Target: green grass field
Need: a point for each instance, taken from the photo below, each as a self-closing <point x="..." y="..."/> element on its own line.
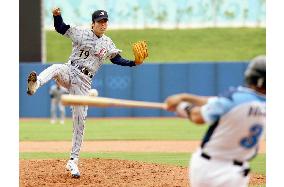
<point x="122" y="129"/>
<point x="118" y="129"/>
<point x="183" y="45"/>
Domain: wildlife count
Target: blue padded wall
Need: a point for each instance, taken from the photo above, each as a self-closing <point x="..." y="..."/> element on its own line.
<point x="148" y="82"/>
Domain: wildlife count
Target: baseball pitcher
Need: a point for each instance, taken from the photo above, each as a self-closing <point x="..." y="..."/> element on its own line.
<point x="91" y="48"/>
<point x="236" y="123"/>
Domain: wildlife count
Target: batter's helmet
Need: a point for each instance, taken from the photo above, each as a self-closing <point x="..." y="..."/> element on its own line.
<point x="255" y="73"/>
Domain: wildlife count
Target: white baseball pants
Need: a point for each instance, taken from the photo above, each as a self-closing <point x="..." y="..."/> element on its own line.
<point x="215" y="173"/>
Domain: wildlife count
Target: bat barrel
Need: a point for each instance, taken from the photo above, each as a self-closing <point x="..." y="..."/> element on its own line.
<point x="79" y="100"/>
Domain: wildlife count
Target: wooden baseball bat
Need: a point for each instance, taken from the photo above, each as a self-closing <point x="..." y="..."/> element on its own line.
<point x="76" y="100"/>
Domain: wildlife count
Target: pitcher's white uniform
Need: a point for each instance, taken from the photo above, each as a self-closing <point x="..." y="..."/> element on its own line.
<point x="89" y="52"/>
<point x="237" y="121"/>
<point x="90" y="49"/>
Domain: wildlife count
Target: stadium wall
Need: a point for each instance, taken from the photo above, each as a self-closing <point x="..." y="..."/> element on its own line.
<point x="149" y="82"/>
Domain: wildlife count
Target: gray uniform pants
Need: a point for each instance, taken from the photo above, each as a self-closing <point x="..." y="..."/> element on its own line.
<point x="77" y="83"/>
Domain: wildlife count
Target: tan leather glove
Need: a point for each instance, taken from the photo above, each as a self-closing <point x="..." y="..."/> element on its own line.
<point x="140" y="51"/>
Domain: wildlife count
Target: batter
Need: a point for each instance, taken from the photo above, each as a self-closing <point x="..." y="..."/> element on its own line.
<point x="236" y="121"/>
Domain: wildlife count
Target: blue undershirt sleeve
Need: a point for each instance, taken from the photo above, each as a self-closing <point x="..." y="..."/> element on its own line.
<point x="121" y="61"/>
<point x="215" y="108"/>
<point x="59" y="25"/>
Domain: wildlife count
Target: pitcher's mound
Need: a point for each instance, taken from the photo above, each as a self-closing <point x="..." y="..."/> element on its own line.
<point x="106" y="172"/>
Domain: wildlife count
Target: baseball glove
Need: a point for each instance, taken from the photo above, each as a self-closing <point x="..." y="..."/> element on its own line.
<point x="140" y="51"/>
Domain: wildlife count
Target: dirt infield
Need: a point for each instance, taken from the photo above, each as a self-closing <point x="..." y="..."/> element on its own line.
<point x="118" y="146"/>
<point x="107" y="172"/>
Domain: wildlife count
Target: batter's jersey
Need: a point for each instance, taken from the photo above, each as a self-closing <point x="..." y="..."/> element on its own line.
<point x="56" y="92"/>
<point x="88" y="50"/>
<point x="237" y="121"/>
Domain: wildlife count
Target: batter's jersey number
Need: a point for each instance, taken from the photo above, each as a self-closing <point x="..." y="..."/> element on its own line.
<point x="86" y="53"/>
<point x="254" y="134"/>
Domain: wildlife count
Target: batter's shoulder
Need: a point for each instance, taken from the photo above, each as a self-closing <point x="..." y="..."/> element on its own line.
<point x="229" y="93"/>
<point x="53" y="87"/>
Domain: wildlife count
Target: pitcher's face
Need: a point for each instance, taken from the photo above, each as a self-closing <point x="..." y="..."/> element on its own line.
<point x="100" y="27"/>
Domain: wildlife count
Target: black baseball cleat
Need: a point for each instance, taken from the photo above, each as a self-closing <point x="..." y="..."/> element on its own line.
<point x="32" y="83"/>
